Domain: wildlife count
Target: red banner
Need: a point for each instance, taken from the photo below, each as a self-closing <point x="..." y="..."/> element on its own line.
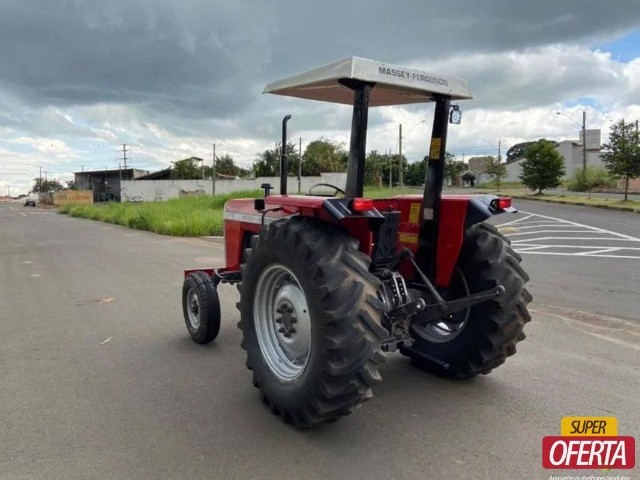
<point x="573" y="452"/>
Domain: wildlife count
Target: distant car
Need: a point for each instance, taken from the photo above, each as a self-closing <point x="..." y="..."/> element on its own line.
<point x="29" y="202"/>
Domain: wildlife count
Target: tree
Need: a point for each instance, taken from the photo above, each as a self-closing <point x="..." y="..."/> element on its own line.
<point x="517" y="151"/>
<point x="42" y="185"/>
<point x="324" y="156"/>
<point x="543" y="167"/>
<point x="375" y="166"/>
<point x="495" y="169"/>
<point x="453" y="168"/>
<point x="268" y="162"/>
<point x="622" y="155"/>
<point x="469" y="178"/>
<point x="226" y="166"/>
<point x="417" y="172"/>
<point x="187" y="169"/>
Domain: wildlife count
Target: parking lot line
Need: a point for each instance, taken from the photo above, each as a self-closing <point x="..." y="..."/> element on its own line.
<point x="531" y="234"/>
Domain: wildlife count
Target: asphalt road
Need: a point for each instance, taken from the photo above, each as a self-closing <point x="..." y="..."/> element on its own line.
<point x="98" y="378"/>
<point x="578" y="257"/>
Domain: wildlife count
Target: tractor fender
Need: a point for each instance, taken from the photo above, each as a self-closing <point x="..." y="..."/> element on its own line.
<point x="482" y="207"/>
<point x="457" y="215"/>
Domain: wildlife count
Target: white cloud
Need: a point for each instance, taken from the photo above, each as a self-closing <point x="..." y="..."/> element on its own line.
<point x="170" y="80"/>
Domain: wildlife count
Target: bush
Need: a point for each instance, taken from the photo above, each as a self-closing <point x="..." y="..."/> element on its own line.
<point x="590" y="179"/>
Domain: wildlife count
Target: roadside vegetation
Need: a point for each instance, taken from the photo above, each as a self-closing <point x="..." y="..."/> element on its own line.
<point x="202" y="215"/>
<point x="187" y="217"/>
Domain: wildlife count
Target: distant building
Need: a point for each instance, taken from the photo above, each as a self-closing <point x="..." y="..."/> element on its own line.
<point x="105" y="184"/>
<point x="477" y="164"/>
<point x="571" y="151"/>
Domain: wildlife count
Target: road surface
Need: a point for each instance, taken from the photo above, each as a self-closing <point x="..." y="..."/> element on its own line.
<point x="99" y="379"/>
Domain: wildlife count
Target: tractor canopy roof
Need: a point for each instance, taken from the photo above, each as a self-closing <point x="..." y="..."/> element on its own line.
<point x="394" y="85"/>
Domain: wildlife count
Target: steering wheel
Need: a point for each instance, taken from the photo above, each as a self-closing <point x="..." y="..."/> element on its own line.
<point x="337" y="190"/>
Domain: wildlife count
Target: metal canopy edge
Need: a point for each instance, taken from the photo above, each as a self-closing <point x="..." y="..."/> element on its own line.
<point x="394" y="85"/>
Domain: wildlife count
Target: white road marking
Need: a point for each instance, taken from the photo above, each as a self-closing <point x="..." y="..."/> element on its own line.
<point x="527" y="236"/>
<point x="572" y="238"/>
<point x="516" y="220"/>
<point x="551" y="231"/>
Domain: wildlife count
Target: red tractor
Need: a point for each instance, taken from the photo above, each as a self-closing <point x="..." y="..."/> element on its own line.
<point x="328" y="284"/>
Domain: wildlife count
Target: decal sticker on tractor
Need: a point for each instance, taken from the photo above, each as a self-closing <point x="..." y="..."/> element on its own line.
<point x="414" y="213"/>
<point x="434" y="151"/>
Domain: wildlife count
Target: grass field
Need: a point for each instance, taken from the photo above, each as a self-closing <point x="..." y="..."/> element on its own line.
<point x="202" y="215"/>
<point x="186" y="217"/>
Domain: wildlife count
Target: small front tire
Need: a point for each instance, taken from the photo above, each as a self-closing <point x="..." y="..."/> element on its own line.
<point x="201" y="307"/>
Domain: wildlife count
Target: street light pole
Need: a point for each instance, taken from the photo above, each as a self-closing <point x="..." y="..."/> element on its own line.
<point x="584" y="135"/>
<point x="213" y="172"/>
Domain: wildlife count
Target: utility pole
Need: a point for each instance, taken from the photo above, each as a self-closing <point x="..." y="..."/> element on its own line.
<point x="40" y="183"/>
<point x="584" y="140"/>
<point x="390" y="169"/>
<point x="213" y="172"/>
<point x="300" y="165"/>
<point x="499" y="161"/>
<point x="124" y="155"/>
<point x="82" y="168"/>
<point x="120" y="184"/>
<point x="400" y="157"/>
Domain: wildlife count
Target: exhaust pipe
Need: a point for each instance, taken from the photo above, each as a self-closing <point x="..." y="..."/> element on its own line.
<point x="284" y="164"/>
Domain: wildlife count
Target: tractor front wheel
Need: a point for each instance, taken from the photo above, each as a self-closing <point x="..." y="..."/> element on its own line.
<point x="200" y="307"/>
<point x="478" y="339"/>
<point x="310" y="321"/>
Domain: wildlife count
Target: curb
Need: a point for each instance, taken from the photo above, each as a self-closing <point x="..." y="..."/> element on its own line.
<point x="580" y="204"/>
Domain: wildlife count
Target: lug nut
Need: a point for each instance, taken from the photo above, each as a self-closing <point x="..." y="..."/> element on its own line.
<point x="279" y="320"/>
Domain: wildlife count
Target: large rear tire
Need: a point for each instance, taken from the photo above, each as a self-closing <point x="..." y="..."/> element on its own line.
<point x="478" y="339"/>
<point x="310" y="320"/>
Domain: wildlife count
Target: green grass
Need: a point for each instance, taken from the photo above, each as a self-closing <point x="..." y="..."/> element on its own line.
<point x="492" y="185"/>
<point x="186" y="217"/>
<point x="202" y="215"/>
<point x="386" y="192"/>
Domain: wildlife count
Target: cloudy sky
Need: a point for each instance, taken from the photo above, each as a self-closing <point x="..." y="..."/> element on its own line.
<point x="168" y="78"/>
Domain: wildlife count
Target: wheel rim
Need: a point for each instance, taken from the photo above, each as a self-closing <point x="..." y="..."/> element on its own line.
<point x="282" y="322"/>
<point x="446" y="329"/>
<point x="193" y="309"/>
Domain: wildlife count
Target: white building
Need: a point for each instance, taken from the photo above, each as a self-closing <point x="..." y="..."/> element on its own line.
<point x="571" y="151"/>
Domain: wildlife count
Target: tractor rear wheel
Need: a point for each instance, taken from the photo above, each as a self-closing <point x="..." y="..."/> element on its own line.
<point x="310" y="320"/>
<point x="478" y="339"/>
